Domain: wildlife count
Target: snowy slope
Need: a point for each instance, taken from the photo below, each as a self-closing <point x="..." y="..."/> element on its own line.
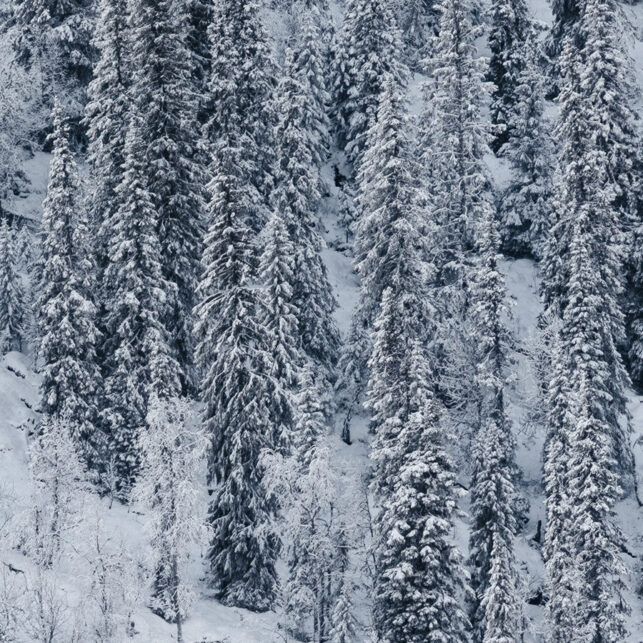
<point x="209" y="621"/>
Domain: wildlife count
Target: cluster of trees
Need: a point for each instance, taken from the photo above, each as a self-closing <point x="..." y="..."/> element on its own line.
<point x="189" y="268"/>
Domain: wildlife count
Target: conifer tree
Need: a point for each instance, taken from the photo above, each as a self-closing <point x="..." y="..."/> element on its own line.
<point x="389" y="202"/>
<point x="525" y="207"/>
<point x="280" y="323"/>
<point x="460" y="181"/>
<point x="241" y="88"/>
<point x="587" y="168"/>
<point x="236" y="390"/>
<point x="169" y="137"/>
<point x="418" y="21"/>
<point x="592" y="579"/>
<point x="587" y="447"/>
<point x="565" y="17"/>
<point x="510" y="29"/>
<point x="388" y="196"/>
<point x="458" y="196"/>
<point x="107" y="115"/>
<point x="496" y="612"/>
<point x="200" y="14"/>
<point x="13" y="313"/>
<point x="368" y="51"/>
<point x="71" y="383"/>
<point x="309" y="67"/>
<point x="420" y="575"/>
<point x="297" y="196"/>
<point x="139" y="360"/>
<point x="343" y="620"/>
<point x="311" y="421"/>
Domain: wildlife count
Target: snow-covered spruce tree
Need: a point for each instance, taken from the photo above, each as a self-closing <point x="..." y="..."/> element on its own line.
<point x="310" y="68"/>
<point x="71" y="382"/>
<point x="458" y="195"/>
<point x="525" y="207"/>
<point x="368" y="50"/>
<point x="57" y="35"/>
<point x="592" y="471"/>
<point x="510" y="28"/>
<point x="388" y="195"/>
<point x="236" y="389"/>
<point x="419" y="572"/>
<point x="635" y="292"/>
<point x="590" y="124"/>
<point x="280" y="321"/>
<point x="106" y="116"/>
<point x="58" y="483"/>
<point x="343" y="619"/>
<point x="311" y="421"/>
<point x="138" y="358"/>
<point x="297" y="196"/>
<point x="558" y="551"/>
<point x="460" y="181"/>
<point x="172" y="457"/>
<point x="241" y="88"/>
<point x="418" y="20"/>
<point x="496" y="613"/>
<point x="587" y="401"/>
<point x="388" y="202"/>
<point x="13" y="304"/>
<point x="565" y="17"/>
<point x="169" y="139"/>
<point x="609" y="88"/>
<point x="200" y="13"/>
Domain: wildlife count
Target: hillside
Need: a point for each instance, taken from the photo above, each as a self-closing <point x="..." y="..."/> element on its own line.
<point x="121" y="528"/>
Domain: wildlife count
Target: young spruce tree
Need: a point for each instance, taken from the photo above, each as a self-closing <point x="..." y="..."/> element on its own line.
<point x="368" y="50"/>
<point x="71" y="382"/>
<point x="236" y="390"/>
<point x="497" y="613"/>
<point x="13" y="304"/>
<point x="138" y="359"/>
<point x="169" y="139"/>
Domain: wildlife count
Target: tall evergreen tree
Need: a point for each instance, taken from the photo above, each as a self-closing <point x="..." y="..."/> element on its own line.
<point x="280" y="320"/>
<point x="309" y="67"/>
<point x="241" y="88"/>
<point x="587" y="447"/>
<point x="236" y="390"/>
<point x="13" y="312"/>
<point x="368" y="51"/>
<point x="419" y="23"/>
<point x="389" y="203"/>
<point x="458" y="195"/>
<point x="107" y="115"/>
<point x="590" y="126"/>
<point x="297" y="196"/>
<point x="526" y="205"/>
<point x="169" y="136"/>
<point x="138" y="359"/>
<point x="510" y="29"/>
<point x="71" y="382"/>
<point x="565" y="17"/>
<point x="593" y="577"/>
<point x="496" y="614"/>
<point x="420" y="575"/>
